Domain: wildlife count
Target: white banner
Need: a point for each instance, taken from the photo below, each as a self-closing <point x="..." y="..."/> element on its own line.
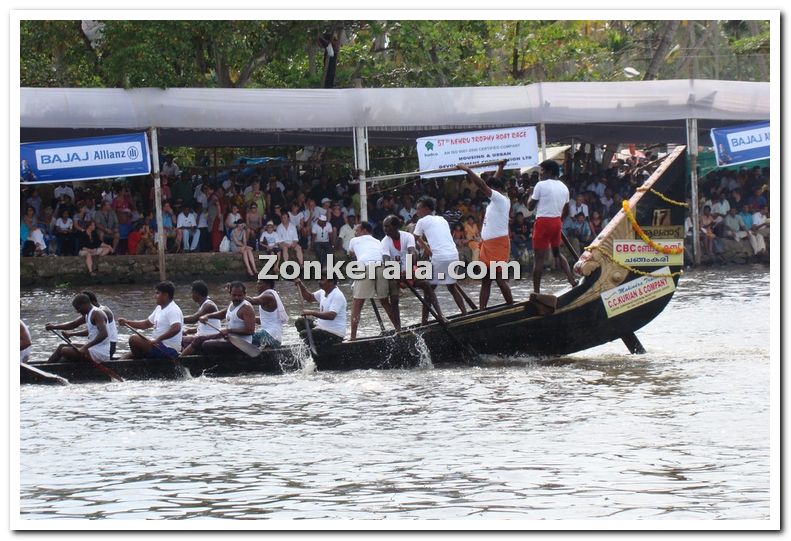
<point x="518" y="145"/>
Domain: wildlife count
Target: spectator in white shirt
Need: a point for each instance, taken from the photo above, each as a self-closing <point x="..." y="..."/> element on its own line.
<point x="577" y="206"/>
<point x="188" y="224"/>
<point x="346" y="234"/>
<point x="288" y="238"/>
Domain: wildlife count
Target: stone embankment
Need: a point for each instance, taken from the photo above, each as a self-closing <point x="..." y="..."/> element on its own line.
<point x="123" y="269"/>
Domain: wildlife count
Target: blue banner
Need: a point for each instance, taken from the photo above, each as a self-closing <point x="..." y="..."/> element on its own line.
<point x="741" y="144"/>
<point x="85" y="159"/>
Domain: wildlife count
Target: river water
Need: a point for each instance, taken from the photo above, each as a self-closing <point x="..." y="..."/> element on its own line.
<point x="679" y="433"/>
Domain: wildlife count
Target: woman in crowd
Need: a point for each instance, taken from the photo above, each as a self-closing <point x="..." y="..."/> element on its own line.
<point x="92" y="246"/>
<point x="253" y="222"/>
<point x="64" y="231"/>
<point x="232" y="218"/>
<point x="472" y="235"/>
<point x="596" y="223"/>
<point x="215" y="218"/>
<point x="707" y="230"/>
<point x="465" y="254"/>
<point x="239" y="237"/>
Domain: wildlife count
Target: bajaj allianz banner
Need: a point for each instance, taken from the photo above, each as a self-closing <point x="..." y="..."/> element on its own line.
<point x="518" y="145"/>
<point x="85" y="159"/>
<point x="741" y="144"/>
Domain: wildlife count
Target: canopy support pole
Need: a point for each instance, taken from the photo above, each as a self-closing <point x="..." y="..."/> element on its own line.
<point x="361" y="162"/>
<point x="158" y="204"/>
<point x="543" y="131"/>
<point x="692" y="148"/>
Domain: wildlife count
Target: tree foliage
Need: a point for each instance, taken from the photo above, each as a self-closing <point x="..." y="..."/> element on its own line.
<point x="414" y="53"/>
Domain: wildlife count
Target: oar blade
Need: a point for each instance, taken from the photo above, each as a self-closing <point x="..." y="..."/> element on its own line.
<point x="46" y="377"/>
<point x="242" y="345"/>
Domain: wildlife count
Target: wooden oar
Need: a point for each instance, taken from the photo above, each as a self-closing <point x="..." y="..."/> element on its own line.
<point x="378" y="316"/>
<point x="308" y="330"/>
<point x="99" y="366"/>
<point x="239" y="343"/>
<point x="630" y="340"/>
<point x="467" y="298"/>
<point x="466" y="349"/>
<point x="46" y="376"/>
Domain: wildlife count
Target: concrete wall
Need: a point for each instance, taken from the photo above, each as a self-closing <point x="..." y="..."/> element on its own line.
<point x="124" y="269"/>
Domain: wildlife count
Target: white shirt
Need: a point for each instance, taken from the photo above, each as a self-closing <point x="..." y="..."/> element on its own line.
<point x="60" y="224"/>
<point x="552" y="195"/>
<point x="575" y="209"/>
<point x="407" y="241"/>
<point x="346" y="234"/>
<point x="287" y="235"/>
<point x="205" y="329"/>
<point x="759" y="219"/>
<point x="38" y="239"/>
<point x="186" y="221"/>
<point x="270" y="239"/>
<point x="366" y="249"/>
<point x="272" y="322"/>
<point x="322" y="233"/>
<point x="203" y="219"/>
<point x="236" y="323"/>
<point x="495" y="221"/>
<point x="440" y="240"/>
<point x="103" y="347"/>
<point x="406" y="214"/>
<point x="230" y="221"/>
<point x="163" y="318"/>
<point x="334" y="302"/>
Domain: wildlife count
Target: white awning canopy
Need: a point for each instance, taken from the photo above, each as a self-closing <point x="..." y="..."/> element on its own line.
<point x="295" y="116"/>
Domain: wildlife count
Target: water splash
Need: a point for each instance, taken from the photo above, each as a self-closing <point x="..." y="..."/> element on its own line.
<point x="303" y="360"/>
<point x="423" y="352"/>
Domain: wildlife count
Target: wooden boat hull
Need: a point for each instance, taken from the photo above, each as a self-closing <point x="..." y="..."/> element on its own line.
<point x="580" y="320"/>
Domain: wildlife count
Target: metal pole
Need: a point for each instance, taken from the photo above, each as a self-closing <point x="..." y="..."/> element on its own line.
<point x="361" y="149"/>
<point x="361" y="161"/>
<point x="692" y="148"/>
<point x="543" y="130"/>
<point x="158" y="204"/>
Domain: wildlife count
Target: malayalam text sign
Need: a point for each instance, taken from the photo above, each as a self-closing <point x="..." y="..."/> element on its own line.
<point x="637" y="253"/>
<point x="85" y="159"/>
<point x="637" y="292"/>
<point x="518" y="145"/>
<point x="741" y="144"/>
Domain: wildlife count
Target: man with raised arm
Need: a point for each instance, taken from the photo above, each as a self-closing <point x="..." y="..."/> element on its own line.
<point x="550" y="199"/>
<point x="495" y="241"/>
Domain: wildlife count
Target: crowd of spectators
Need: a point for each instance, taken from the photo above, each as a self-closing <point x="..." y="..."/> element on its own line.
<point x="285" y="210"/>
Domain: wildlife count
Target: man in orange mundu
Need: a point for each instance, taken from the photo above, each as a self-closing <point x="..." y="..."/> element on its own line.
<point x="495" y="242"/>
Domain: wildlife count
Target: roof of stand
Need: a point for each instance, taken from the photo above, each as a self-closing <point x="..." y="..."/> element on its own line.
<point x="635" y="111"/>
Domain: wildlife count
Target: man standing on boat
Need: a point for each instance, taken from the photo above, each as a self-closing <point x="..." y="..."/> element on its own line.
<point x="98" y="347"/>
<point x="439" y="246"/>
<point x="330" y="322"/>
<point x="399" y="246"/>
<point x="550" y="200"/>
<point x="495" y="240"/>
<point x="271" y="313"/>
<point x="368" y="250"/>
<point x="200" y="295"/>
<point x="240" y="320"/>
<point x="167" y="321"/>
